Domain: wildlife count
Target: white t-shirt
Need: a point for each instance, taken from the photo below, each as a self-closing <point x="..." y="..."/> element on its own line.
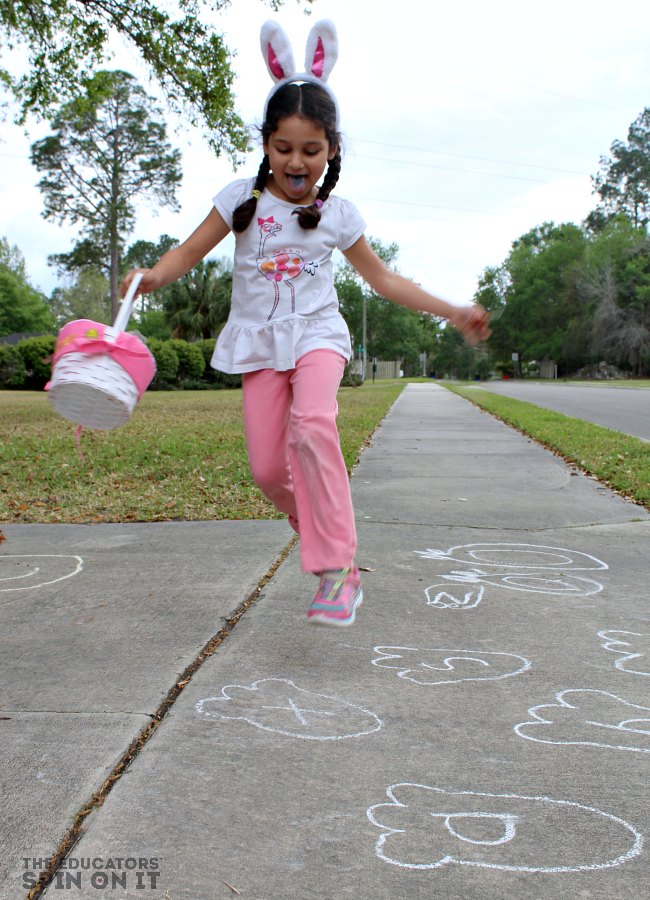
<point x="283" y="299"/>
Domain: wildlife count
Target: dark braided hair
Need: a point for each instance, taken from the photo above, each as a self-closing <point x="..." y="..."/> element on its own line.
<point x="243" y="214"/>
<point x="312" y="102"/>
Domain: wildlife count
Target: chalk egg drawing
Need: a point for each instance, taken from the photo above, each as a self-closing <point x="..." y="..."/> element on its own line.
<point x="427" y="827"/>
<point x="589" y="718"/>
<point x="632" y="647"/>
<point x="529" y="568"/>
<point x="30" y="571"/>
<point x="433" y="666"/>
<point x="278" y="705"/>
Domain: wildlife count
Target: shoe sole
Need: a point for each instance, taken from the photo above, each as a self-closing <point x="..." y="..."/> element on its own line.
<point x="321" y="619"/>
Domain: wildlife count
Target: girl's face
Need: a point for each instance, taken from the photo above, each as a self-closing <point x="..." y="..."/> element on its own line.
<point x="298" y="152"/>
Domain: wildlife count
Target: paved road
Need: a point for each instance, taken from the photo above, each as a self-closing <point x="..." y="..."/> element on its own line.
<point x="479" y="733"/>
<point x="619" y="408"/>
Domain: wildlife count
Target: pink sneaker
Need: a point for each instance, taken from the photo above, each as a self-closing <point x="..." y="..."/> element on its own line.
<point x="337" y="598"/>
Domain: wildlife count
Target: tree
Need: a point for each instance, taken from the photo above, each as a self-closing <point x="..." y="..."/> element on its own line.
<point x="87" y="296"/>
<point x="107" y="149"/>
<point x="144" y="255"/>
<point x="12" y="258"/>
<point x="623" y="182"/>
<point x="87" y="253"/>
<point x="616" y="278"/>
<point x="67" y="40"/>
<point x="538" y="286"/>
<point x="392" y="331"/>
<point x="491" y="290"/>
<point x="198" y="303"/>
<point x="452" y="355"/>
<point x="22" y="307"/>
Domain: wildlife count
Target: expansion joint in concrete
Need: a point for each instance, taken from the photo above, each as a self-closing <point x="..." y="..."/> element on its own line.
<point x="75" y="832"/>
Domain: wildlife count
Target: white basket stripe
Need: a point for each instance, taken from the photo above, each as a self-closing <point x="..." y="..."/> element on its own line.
<point x="92" y="390"/>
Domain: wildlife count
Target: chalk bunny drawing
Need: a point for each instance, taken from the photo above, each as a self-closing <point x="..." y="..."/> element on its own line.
<point x="280" y="266"/>
<point x="530" y="568"/>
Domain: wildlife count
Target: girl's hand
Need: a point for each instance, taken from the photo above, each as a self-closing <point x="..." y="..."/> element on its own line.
<point x="149" y="282"/>
<point x="472" y="322"/>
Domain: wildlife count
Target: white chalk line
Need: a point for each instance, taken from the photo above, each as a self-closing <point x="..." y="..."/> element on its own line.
<point x="293" y="707"/>
<point x="543" y="570"/>
<point x="610" y="644"/>
<point x="634" y="851"/>
<point x="479" y="657"/>
<point x="539" y="720"/>
<point x="478" y="553"/>
<point x="32" y="587"/>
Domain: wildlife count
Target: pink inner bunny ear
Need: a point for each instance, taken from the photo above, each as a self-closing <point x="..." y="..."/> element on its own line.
<point x="318" y="63"/>
<point x="322" y="50"/>
<point x="273" y="63"/>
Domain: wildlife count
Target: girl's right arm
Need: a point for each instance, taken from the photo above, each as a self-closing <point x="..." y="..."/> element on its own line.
<point x="471" y="321"/>
<point x="179" y="260"/>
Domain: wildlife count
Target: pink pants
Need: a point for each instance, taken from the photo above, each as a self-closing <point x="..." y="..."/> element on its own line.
<point x="295" y="455"/>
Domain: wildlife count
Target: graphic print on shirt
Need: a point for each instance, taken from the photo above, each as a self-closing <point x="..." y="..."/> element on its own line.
<point x="280" y="265"/>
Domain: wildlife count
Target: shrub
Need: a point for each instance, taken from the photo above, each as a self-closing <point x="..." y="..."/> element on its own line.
<point x="12" y="367"/>
<point x="191" y="363"/>
<point x="166" y="362"/>
<point x="228" y="381"/>
<point x="207" y="346"/>
<point x="212" y="376"/>
<point x="36" y="353"/>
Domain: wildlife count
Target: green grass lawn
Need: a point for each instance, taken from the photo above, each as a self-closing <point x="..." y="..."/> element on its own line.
<point x="618" y="460"/>
<point x="181" y="456"/>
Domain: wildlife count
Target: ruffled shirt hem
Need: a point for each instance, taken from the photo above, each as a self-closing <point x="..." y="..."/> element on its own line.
<point x="278" y="344"/>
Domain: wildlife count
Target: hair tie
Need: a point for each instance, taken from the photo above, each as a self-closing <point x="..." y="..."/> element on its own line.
<point x="256" y="194"/>
<point x="318" y="203"/>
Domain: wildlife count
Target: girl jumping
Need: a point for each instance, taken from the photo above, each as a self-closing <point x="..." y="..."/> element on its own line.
<point x="285" y="333"/>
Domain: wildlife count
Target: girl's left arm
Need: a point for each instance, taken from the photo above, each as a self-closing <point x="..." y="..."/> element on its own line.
<point x="471" y="321"/>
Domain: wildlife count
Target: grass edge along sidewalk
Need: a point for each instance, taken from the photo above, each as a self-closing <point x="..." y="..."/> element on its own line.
<point x="620" y="461"/>
<point x="181" y="456"/>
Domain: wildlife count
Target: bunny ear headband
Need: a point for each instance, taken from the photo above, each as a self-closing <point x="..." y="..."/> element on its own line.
<point x="321" y="54"/>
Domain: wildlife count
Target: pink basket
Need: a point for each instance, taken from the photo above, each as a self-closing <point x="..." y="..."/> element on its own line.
<point x="98" y="371"/>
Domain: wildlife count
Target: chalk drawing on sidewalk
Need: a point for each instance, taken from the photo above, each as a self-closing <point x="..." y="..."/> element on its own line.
<point x="278" y="705"/>
<point x="529" y="568"/>
<point x="434" y="666"/>
<point x="427" y="827"/>
<point x="633" y="648"/>
<point x="26" y="572"/>
<point x="589" y="718"/>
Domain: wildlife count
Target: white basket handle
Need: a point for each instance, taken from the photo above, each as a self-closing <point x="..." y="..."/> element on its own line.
<point x="124" y="314"/>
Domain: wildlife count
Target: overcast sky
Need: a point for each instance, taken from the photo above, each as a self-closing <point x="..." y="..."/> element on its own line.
<point x="465" y="125"/>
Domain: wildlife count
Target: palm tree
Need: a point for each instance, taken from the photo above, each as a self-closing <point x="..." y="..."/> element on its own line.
<point x="197" y="305"/>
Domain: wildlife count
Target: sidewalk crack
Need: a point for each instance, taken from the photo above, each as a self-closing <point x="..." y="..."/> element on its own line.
<point x="75" y="832"/>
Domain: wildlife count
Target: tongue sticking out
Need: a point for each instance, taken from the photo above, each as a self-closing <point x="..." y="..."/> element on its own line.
<point x="298" y="183"/>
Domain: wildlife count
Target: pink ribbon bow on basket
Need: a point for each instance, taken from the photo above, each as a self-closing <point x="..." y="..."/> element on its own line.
<point x="99" y="372"/>
<point x="86" y="336"/>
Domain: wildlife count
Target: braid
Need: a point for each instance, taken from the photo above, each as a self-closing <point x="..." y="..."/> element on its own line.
<point x="243" y="215"/>
<point x="331" y="176"/>
<point x="309" y="216"/>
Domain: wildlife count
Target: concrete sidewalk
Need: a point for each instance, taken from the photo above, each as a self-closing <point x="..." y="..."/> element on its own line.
<point x="483" y="730"/>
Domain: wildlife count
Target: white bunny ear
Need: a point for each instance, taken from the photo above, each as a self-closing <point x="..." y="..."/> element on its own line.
<point x="322" y="49"/>
<point x="277" y="52"/>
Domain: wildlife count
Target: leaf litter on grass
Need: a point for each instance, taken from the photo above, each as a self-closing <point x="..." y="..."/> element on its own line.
<point x="182" y="455"/>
